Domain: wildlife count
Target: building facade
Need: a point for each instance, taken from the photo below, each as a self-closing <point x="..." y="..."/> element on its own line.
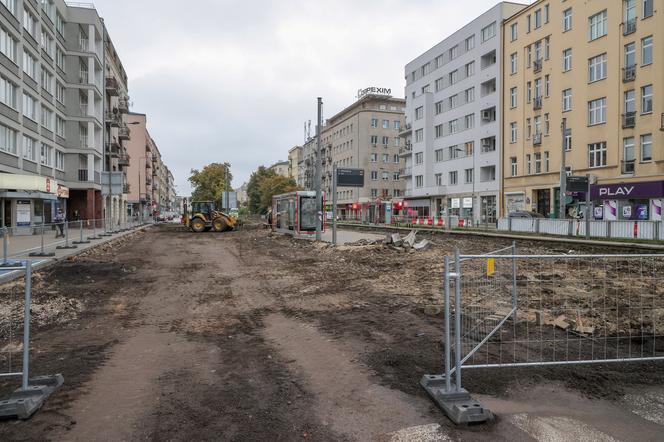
<point x="294" y="161"/>
<point x="281" y="168"/>
<point x="453" y="138"/>
<point x="581" y="76"/>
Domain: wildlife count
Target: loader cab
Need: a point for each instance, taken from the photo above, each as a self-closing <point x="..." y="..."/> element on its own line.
<point x="205" y="208"/>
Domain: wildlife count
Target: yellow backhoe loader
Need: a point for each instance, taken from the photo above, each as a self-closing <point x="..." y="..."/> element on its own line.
<point x="204" y="216"/>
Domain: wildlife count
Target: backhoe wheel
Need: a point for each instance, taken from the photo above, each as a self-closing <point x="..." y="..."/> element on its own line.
<point x="197" y="225"/>
<point x="219" y="225"/>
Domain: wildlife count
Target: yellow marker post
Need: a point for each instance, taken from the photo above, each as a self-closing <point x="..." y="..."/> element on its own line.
<point x="490" y="266"/>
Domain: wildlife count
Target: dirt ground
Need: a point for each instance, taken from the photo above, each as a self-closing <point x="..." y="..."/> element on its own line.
<point x="170" y="335"/>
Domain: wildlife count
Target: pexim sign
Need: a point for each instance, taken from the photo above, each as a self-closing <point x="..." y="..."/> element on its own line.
<point x="374" y="91"/>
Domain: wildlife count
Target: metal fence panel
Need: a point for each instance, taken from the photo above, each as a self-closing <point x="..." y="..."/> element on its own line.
<point x="645" y="230"/>
<point x="524" y="225"/>
<point x="554" y="226"/>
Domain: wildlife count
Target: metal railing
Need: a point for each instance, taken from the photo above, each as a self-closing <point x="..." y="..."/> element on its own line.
<point x="628" y="120"/>
<point x="537" y="103"/>
<point x="646" y="230"/>
<point x="629" y="73"/>
<point x="537" y="139"/>
<point x="537" y="65"/>
<point x="629" y="27"/>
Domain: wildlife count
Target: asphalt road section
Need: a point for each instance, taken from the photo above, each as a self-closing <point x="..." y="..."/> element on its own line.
<point x="248" y="336"/>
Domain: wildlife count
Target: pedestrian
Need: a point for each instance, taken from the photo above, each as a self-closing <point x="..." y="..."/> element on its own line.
<point x="60" y="224"/>
<point x="269" y="219"/>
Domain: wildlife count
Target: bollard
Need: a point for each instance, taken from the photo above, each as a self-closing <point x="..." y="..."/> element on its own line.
<point x="66" y="246"/>
<point x="81" y="240"/>
<point x="42" y="252"/>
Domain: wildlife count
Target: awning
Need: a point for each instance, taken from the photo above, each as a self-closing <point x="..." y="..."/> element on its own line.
<point x="32" y="185"/>
<point x="25" y="195"/>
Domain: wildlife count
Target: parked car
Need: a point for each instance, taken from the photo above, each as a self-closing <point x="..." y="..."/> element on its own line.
<point x="525" y="214"/>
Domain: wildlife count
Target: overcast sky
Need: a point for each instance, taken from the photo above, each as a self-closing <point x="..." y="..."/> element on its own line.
<point x="228" y="80"/>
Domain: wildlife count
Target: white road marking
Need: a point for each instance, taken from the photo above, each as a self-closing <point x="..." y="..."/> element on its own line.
<point x="420" y="433"/>
<point x="649" y="406"/>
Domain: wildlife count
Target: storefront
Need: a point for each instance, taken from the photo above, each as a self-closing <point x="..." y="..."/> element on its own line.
<point x="628" y="201"/>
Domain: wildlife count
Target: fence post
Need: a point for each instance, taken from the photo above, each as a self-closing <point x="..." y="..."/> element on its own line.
<point x="41" y="252"/>
<point x="4" y="246"/>
<point x="448" y="342"/>
<point x="66" y="246"/>
<point x="26" y="326"/>
<point x="457" y="320"/>
<point x="515" y="298"/>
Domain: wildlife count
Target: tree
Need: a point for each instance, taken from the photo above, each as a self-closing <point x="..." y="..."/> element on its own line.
<point x="275" y="185"/>
<point x="254" y="189"/>
<point x="211" y="182"/>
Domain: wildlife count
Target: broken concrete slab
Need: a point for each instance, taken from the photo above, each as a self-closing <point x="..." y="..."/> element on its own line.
<point x="396" y="239"/>
<point x="410" y="238"/>
<point x="422" y="245"/>
<point x="561" y="322"/>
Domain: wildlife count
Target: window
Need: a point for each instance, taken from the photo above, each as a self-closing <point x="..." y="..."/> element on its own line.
<point x="567" y="100"/>
<point x="546" y="13"/>
<point x="646" y="147"/>
<point x="385" y="176"/>
<point x="538" y="88"/>
<point x="529" y="24"/>
<point x="529" y="92"/>
<point x="470" y="95"/>
<point x="489" y="32"/>
<point x="59" y="58"/>
<point x="386" y="141"/>
<point x="8" y="93"/>
<point x="29" y="107"/>
<point x="630" y="55"/>
<point x="386" y="124"/>
<point x="47" y="118"/>
<point x="60" y="92"/>
<point x="419" y="135"/>
<point x="374" y="193"/>
<point x="597" y="154"/>
<point x="374" y="122"/>
<point x="10" y="5"/>
<point x="514" y="63"/>
<point x="373" y="157"/>
<point x="470" y="69"/>
<point x="7" y="45"/>
<point x="395" y="176"/>
<point x="438" y="84"/>
<point x="514" y="31"/>
<point x="29" y="148"/>
<point x="439" y="61"/>
<point x="8" y="139"/>
<point x="547" y="125"/>
<point x="425" y="89"/>
<point x="419" y="158"/>
<point x="47" y="81"/>
<point x="29" y="64"/>
<point x="597" y="68"/>
<point x="454" y="178"/>
<point x="568" y="139"/>
<point x="395" y="158"/>
<point x="59" y="160"/>
<point x="46" y="155"/>
<point x="47" y="43"/>
<point x="647" y="8"/>
<point x="567" y="19"/>
<point x="470" y="43"/>
<point x="546" y="161"/>
<point x="538" y="163"/>
<point x="646" y="51"/>
<point x="538" y="52"/>
<point x="567" y="60"/>
<point x="29" y="23"/>
<point x="528" y="128"/>
<point x="60" y="126"/>
<point x="547" y="48"/>
<point x="454" y="52"/>
<point x="538" y="18"/>
<point x="468" y="174"/>
<point x="419" y="113"/>
<point x="513" y="132"/>
<point x="453" y="126"/>
<point x="438" y="131"/>
<point x="60" y="24"/>
<point x="469" y="121"/>
<point x="513" y="98"/>
<point x="528" y="165"/>
<point x="419" y="181"/>
<point x="374" y="175"/>
<point x="597" y="111"/>
<point x="529" y="56"/>
<point x="513" y="167"/>
<point x="547" y="85"/>
<point x="646" y="99"/>
<point x="629" y="155"/>
<point x="397" y="124"/>
<point x="597" y="25"/>
<point x="453" y="101"/>
<point x="438" y="178"/>
<point x="630" y="102"/>
<point x="374" y="140"/>
<point x="438" y="155"/>
<point x="454" y="76"/>
<point x="438" y="107"/>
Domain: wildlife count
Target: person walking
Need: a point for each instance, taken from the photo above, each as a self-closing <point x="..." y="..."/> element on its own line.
<point x="60" y="224"/>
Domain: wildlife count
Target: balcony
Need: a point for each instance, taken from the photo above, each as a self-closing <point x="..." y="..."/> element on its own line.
<point x="537" y="103"/>
<point x="112" y="118"/>
<point x="148" y="179"/>
<point x="83" y="44"/>
<point x="628" y="120"/>
<point x="629" y="73"/>
<point x="537" y="65"/>
<point x="629" y="27"/>
<point x="123" y="104"/>
<point x="123" y="133"/>
<point x="83" y="77"/>
<point x="83" y="175"/>
<point x="126" y="188"/>
<point x="123" y="160"/>
<point x="406" y="171"/>
<point x="406" y="130"/>
<point x="628" y="167"/>
<point x="537" y="139"/>
<point x="112" y="86"/>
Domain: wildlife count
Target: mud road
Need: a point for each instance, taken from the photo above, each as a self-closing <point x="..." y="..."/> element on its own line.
<point x="169" y="335"/>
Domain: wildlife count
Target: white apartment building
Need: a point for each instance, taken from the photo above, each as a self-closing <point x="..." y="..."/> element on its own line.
<point x="453" y="109"/>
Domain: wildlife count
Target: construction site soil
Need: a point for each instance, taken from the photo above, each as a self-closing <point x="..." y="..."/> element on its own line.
<point x="169" y="335"/>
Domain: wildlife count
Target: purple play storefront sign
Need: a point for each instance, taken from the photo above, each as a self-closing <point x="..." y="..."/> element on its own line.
<point x="643" y="190"/>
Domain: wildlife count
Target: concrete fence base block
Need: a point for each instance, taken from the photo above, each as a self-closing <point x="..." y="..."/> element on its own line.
<point x="81" y="242"/>
<point x="24" y="403"/>
<point x="66" y="247"/>
<point x="42" y="254"/>
<point x="458" y="405"/>
<point x="93" y="238"/>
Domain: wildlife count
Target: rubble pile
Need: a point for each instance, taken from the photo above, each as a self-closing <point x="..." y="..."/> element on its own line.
<point x="407" y="243"/>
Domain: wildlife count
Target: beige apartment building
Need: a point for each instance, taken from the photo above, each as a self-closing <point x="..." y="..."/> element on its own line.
<point x="281" y="168"/>
<point x="595" y="67"/>
<point x="294" y="155"/>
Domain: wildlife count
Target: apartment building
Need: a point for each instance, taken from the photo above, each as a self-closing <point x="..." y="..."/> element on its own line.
<point x="582" y="76"/>
<point x="116" y="134"/>
<point x="281" y="168"/>
<point x="453" y="107"/>
<point x="294" y="161"/>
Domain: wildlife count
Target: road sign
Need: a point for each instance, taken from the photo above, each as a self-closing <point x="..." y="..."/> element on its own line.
<point x="577" y="184"/>
<point x="350" y="177"/>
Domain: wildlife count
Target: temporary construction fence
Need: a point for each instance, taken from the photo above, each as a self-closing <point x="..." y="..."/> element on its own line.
<point x="508" y="310"/>
<point x="15" y="357"/>
<point x="647" y="230"/>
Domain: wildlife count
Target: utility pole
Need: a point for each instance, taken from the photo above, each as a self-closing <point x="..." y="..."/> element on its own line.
<point x="317" y="179"/>
<point x="563" y="171"/>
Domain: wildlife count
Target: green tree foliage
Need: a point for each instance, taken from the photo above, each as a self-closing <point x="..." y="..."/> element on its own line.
<point x="210" y="183"/>
<point x="263" y="185"/>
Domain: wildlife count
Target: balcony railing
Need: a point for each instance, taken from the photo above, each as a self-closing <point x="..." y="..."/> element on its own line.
<point x="537" y="65"/>
<point x="123" y="104"/>
<point x="83" y="175"/>
<point x="537" y="139"/>
<point x="84" y="110"/>
<point x="113" y="118"/>
<point x="83" y="77"/>
<point x="537" y="103"/>
<point x="112" y="86"/>
<point x="628" y="167"/>
<point x="83" y="44"/>
<point x="629" y="27"/>
<point x="629" y="73"/>
<point x="628" y="120"/>
<point x="123" y="133"/>
<point x="406" y="171"/>
<point x="123" y="160"/>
